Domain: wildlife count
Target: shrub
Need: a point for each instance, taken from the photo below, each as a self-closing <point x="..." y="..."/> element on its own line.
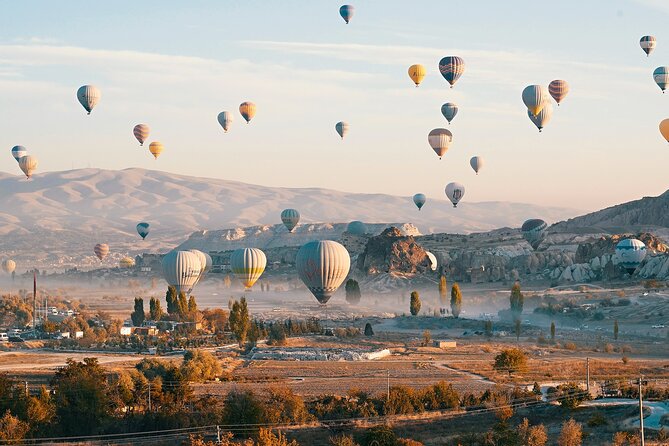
<point x="511" y="360"/>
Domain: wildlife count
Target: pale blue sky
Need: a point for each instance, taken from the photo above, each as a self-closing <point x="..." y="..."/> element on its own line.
<point x="176" y="65"/>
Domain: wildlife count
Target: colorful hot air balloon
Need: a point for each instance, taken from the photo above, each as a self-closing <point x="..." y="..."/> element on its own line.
<point x="558" y="89"/>
<point x="451" y="67"/>
<point x="440" y="140"/>
<point x="661" y="77"/>
<point x="455" y="192"/>
<point x="534" y="98"/>
<point x="356" y="228"/>
<point x="417" y="73"/>
<point x="28" y="165"/>
<point x="141" y="132"/>
<point x="290" y="218"/>
<point x="449" y="110"/>
<point x="19" y="152"/>
<point x="433" y="260"/>
<point x="126" y="262"/>
<point x="101" y="250"/>
<point x="664" y="129"/>
<point x="477" y="163"/>
<point x="225" y="119"/>
<point x="346" y="12"/>
<point x="248" y="264"/>
<point x="247" y="110"/>
<point x="419" y="200"/>
<point x="89" y="96"/>
<point x="630" y="253"/>
<point x="648" y="44"/>
<point x="181" y="269"/>
<point x="322" y="266"/>
<point x="342" y="128"/>
<point x="8" y="266"/>
<point x="143" y="229"/>
<point x="543" y="117"/>
<point x="156" y="148"/>
<point x="534" y="231"/>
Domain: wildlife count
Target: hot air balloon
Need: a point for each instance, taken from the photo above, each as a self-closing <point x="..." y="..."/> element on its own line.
<point x="28" y="165"/>
<point x="342" y="128"/>
<point x="19" y="152"/>
<point x="534" y="98"/>
<point x="419" y="200"/>
<point x="417" y="73"/>
<point x="534" y="231"/>
<point x="455" y="192"/>
<point x="451" y="67"/>
<point x="543" y="117"/>
<point x="181" y="269"/>
<point x="290" y="218"/>
<point x="141" y="132"/>
<point x="648" y="44"/>
<point x="558" y="89"/>
<point x="101" y="250"/>
<point x="346" y="12"/>
<point x="247" y="110"/>
<point x="449" y="110"/>
<point x="225" y="119"/>
<point x="661" y="77"/>
<point x="202" y="258"/>
<point x="126" y="262"/>
<point x="322" y="266"/>
<point x="156" y="148"/>
<point x="89" y="96"/>
<point x="143" y="229"/>
<point x="477" y="163"/>
<point x="433" y="260"/>
<point x="356" y="228"/>
<point x="208" y="263"/>
<point x="8" y="266"/>
<point x="248" y="264"/>
<point x="440" y="140"/>
<point x="630" y="253"/>
<point x="664" y="129"/>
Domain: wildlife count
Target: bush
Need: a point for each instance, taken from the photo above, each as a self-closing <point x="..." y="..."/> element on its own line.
<point x="380" y="436"/>
<point x="200" y="365"/>
<point x="512" y="360"/>
<point x="569" y="395"/>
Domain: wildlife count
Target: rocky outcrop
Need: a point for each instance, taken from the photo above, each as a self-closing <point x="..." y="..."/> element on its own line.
<point x="394" y="253"/>
<point x="607" y="245"/>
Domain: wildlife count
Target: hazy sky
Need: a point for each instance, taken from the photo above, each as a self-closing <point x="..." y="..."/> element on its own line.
<point x="175" y="65"/>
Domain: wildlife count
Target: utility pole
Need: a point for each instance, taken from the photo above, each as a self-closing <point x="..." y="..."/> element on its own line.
<point x="388" y="386"/>
<point x="643" y="442"/>
<point x="218" y="434"/>
<point x="34" y="301"/>
<point x="26" y="387"/>
<point x="587" y="375"/>
<point x="149" y="396"/>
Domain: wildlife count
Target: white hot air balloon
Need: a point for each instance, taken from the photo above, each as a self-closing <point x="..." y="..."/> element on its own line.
<point x="323" y="266"/>
<point x="203" y="263"/>
<point x="535" y="97"/>
<point x="225" y="119"/>
<point x="455" y="192"/>
<point x="440" y="140"/>
<point x="8" y="266"/>
<point x="89" y="96"/>
<point x="477" y="163"/>
<point x="433" y="260"/>
<point x="28" y="165"/>
<point x="181" y="269"/>
<point x="543" y="117"/>
<point x="630" y="253"/>
<point x="247" y="265"/>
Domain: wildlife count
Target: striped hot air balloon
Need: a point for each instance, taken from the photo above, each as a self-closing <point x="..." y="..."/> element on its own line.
<point x="356" y="228"/>
<point x="449" y="110"/>
<point x="417" y="73"/>
<point x="156" y="148"/>
<point x="143" y="229"/>
<point x="8" y="266"/>
<point x="534" y="98"/>
<point x="342" y="128"/>
<point x="225" y="120"/>
<point x="451" y="67"/>
<point x="290" y="218"/>
<point x="101" y="250"/>
<point x="19" y="152"/>
<point x="419" y="200"/>
<point x="181" y="269"/>
<point x="440" y="140"/>
<point x="126" y="262"/>
<point x="247" y="265"/>
<point x="247" y="110"/>
<point x="28" y="164"/>
<point x="455" y="192"/>
<point x="202" y="257"/>
<point x="346" y="12"/>
<point x="543" y="117"/>
<point x="89" y="96"/>
<point x="323" y="266"/>
<point x="534" y="231"/>
<point x="661" y="77"/>
<point x="558" y="89"/>
<point x="477" y="163"/>
<point x="648" y="44"/>
<point x="630" y="253"/>
<point x="141" y="132"/>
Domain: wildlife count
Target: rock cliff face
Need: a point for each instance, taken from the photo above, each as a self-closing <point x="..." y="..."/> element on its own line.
<point x="394" y="253"/>
<point x="607" y="245"/>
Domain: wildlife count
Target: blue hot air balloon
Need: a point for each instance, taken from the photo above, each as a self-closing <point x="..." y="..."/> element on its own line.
<point x="18" y="152"/>
<point x="630" y="253"/>
<point x="451" y="67"/>
<point x="346" y="12"/>
<point x="143" y="229"/>
<point x="419" y="200"/>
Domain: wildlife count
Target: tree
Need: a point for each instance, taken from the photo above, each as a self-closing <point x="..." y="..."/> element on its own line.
<point x="427" y="338"/>
<point x="380" y="436"/>
<point x="216" y="318"/>
<point x="443" y="289"/>
<point x="369" y="331"/>
<point x="283" y="406"/>
<point x="200" y="365"/>
<point x="516" y="299"/>
<point x="488" y="328"/>
<point x="192" y="305"/>
<point x="277" y="334"/>
<point x="456" y="300"/>
<point x="352" y="292"/>
<point x="182" y="306"/>
<point x="243" y="407"/>
<point x="571" y="434"/>
<point x="155" y="309"/>
<point x="511" y="360"/>
<point x="570" y="395"/>
<point x="615" y="329"/>
<point x="517" y="323"/>
<point x="343" y="440"/>
<point x="267" y="438"/>
<point x="137" y="315"/>
<point x="171" y="299"/>
<point x="552" y="331"/>
<point x="532" y="435"/>
<point x="239" y="321"/>
<point x="12" y="429"/>
<point x="414" y="305"/>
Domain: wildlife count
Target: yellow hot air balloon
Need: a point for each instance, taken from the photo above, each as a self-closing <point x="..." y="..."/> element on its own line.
<point x="126" y="262"/>
<point x="664" y="129"/>
<point x="417" y="73"/>
<point x="156" y="148"/>
<point x="247" y="110"/>
<point x="248" y="264"/>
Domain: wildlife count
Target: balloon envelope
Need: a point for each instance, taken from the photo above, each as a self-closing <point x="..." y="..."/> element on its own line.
<point x="534" y="98"/>
<point x="417" y="73"/>
<point x="290" y="218"/>
<point x="455" y="192"/>
<point x="630" y="253"/>
<point x="181" y="269"/>
<point x="664" y="129"/>
<point x="323" y="266"/>
<point x="477" y="163"/>
<point x="126" y="262"/>
<point x="8" y="266"/>
<point x="346" y="12"/>
<point x="534" y="231"/>
<point x="141" y="132"/>
<point x="661" y="77"/>
<point x="202" y="258"/>
<point x="356" y="228"/>
<point x="28" y="164"/>
<point x="440" y="140"/>
<point x="156" y="148"/>
<point x="648" y="44"/>
<point x="558" y="89"/>
<point x="433" y="260"/>
<point x="247" y="110"/>
<point x="19" y="152"/>
<point x="89" y="96"/>
<point x="342" y="128"/>
<point x="543" y="117"/>
<point x="419" y="200"/>
<point x="101" y="250"/>
<point x="225" y="120"/>
<point x="449" y="110"/>
<point x="143" y="229"/>
<point x="451" y="67"/>
<point x="247" y="265"/>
